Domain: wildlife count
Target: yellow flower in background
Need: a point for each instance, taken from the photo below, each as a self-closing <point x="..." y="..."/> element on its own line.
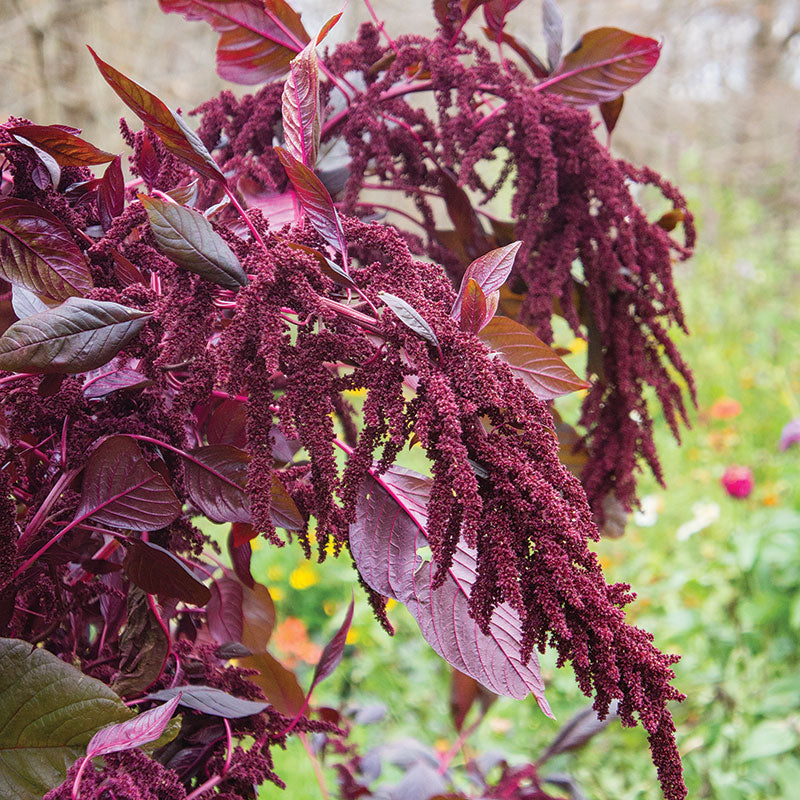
<point x="274" y="572"/>
<point x="303" y="577"/>
<point x="578" y="345"/>
<point x="352" y="636"/>
<point x="277" y="593"/>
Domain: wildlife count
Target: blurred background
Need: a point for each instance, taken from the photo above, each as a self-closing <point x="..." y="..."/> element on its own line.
<point x="718" y="575"/>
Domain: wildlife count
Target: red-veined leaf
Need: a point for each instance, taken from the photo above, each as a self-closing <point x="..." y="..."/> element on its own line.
<point x="158" y="571"/>
<point x="148" y="163"/>
<point x="76" y="336"/>
<point x="610" y="112"/>
<point x="605" y="63"/>
<point x="114" y="380"/>
<point x="187" y="237"/>
<point x="472" y="315"/>
<point x="326" y="28"/>
<point x="175" y="134"/>
<point x="224" y="610"/>
<point x="300" y="107"/>
<point x="315" y="200"/>
<point x="111" y="193"/>
<point x="279" y="685"/>
<point x="38" y="252"/>
<point x="490" y="271"/>
<point x="530" y="359"/>
<point x="258" y="38"/>
<point x="332" y="653"/>
<point x="391" y="519"/>
<point x="66" y="148"/>
<point x="120" y="489"/>
<point x="409" y="316"/>
<point x="209" y="700"/>
<point x="144" y="728"/>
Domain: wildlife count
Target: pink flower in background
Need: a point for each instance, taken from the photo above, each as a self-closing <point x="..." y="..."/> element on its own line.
<point x="738" y="481"/>
<point x="790" y="434"/>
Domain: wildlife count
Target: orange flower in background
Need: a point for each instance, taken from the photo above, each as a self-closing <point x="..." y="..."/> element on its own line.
<point x="290" y="639"/>
<point x="725" y="408"/>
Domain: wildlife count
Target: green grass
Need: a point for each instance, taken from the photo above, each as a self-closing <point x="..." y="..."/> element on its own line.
<point x="718" y="579"/>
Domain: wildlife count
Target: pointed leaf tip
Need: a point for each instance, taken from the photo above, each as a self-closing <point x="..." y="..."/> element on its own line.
<point x="332" y="654"/>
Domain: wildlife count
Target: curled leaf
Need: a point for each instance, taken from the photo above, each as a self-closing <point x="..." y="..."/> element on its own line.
<point x="68" y="149"/>
<point x="158" y="571"/>
<point x="300" y="107"/>
<point x="409" y="316"/>
<point x="209" y="700"/>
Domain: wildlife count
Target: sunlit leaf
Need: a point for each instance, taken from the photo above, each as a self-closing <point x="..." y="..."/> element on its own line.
<point x="187" y="237"/>
<point x="279" y="685"/>
<point x="175" y="134"/>
<point x="66" y="148"/>
<point x="605" y="63"/>
<point x="490" y="271"/>
<point x="76" y="336"/>
<point x="472" y="314"/>
<point x="530" y="359"/>
<point x="38" y="252"/>
<point x="114" y="380"/>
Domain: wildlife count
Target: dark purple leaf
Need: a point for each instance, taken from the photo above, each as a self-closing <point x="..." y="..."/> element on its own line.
<point x="216" y="477"/>
<point x="535" y="65"/>
<point x="224" y="611"/>
<point x="391" y="519"/>
<point x="409" y="316"/>
<point x="227" y="424"/>
<point x="126" y="271"/>
<point x="209" y="700"/>
<point x="490" y="272"/>
<point x="242" y="533"/>
<point x="111" y="194"/>
<point x="300" y="107"/>
<point x="175" y="134"/>
<point x="231" y="650"/>
<point x="605" y="63"/>
<point x="327" y="267"/>
<point x="553" y="29"/>
<point x="148" y="163"/>
<point x="76" y="336"/>
<point x="38" y="252"/>
<point x="114" y="380"/>
<point x="158" y="571"/>
<point x="530" y="359"/>
<point x="187" y="237"/>
<point x="257" y="39"/>
<point x="241" y="555"/>
<point x="790" y="434"/>
<point x="66" y="148"/>
<point x="332" y="653"/>
<point x="315" y="201"/>
<point x="99" y="566"/>
<point x="50" y="163"/>
<point x="121" y="490"/>
<point x="610" y="112"/>
<point x="577" y="732"/>
<point x="142" y="729"/>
